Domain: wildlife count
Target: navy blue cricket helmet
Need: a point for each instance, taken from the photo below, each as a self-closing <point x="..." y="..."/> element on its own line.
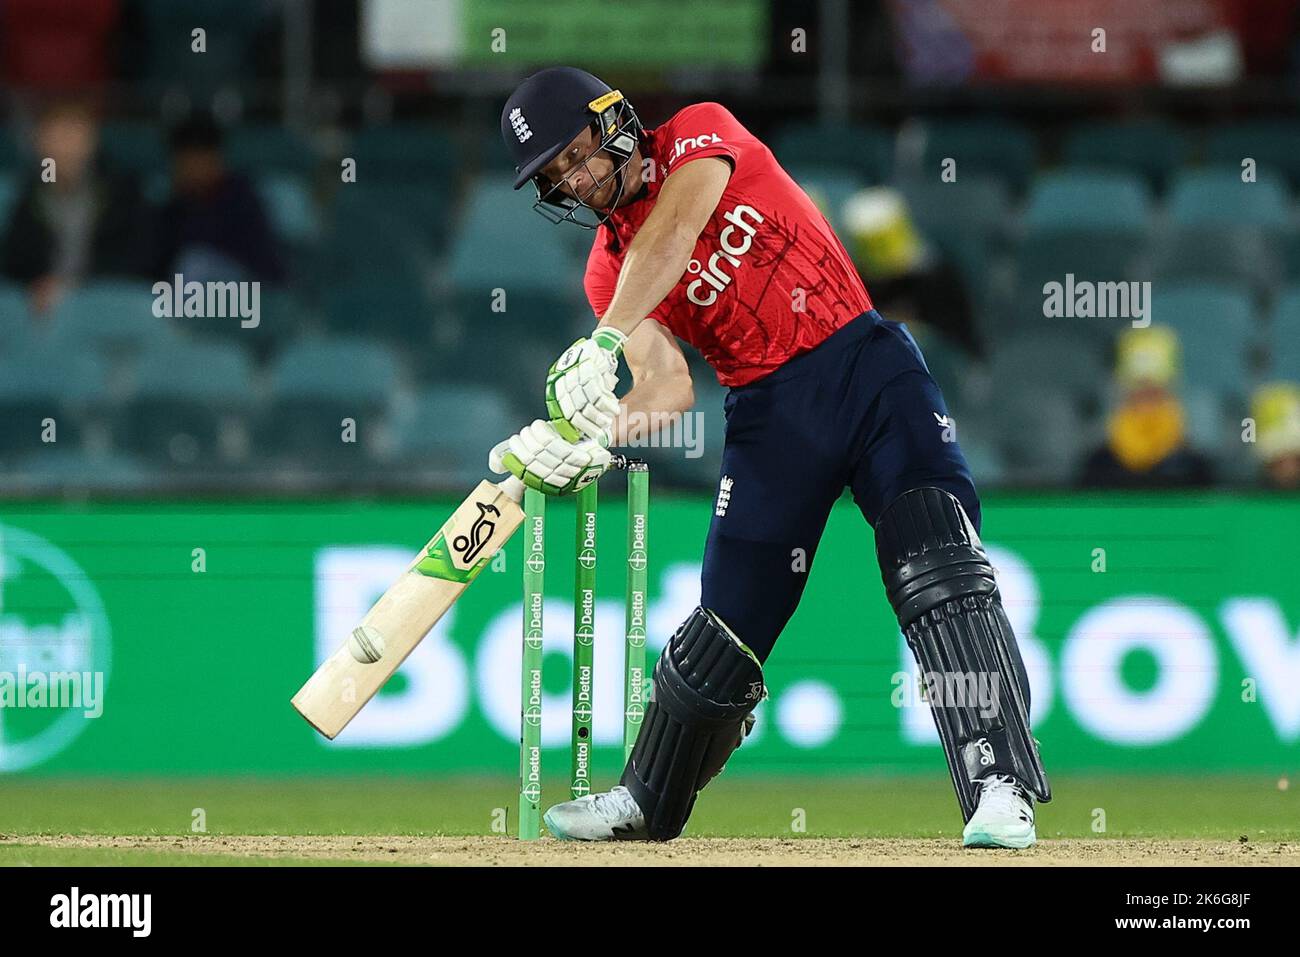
<point x="545" y="113"/>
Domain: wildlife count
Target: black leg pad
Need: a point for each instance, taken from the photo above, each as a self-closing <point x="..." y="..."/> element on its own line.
<point x="942" y="588"/>
<point x="706" y="683"/>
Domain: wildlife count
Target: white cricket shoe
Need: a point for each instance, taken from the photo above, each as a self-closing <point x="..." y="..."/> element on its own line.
<point x="613" y="815"/>
<point x="1004" y="816"/>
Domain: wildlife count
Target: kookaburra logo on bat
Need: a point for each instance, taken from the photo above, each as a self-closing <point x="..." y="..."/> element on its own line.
<point x="480" y="533"/>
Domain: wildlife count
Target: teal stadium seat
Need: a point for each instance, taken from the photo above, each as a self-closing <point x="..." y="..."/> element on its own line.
<point x="316" y="383"/>
<point x="998" y="148"/>
<point x="1092" y="225"/>
<point x="1273" y="144"/>
<point x="1217" y="333"/>
<point x="1041" y="437"/>
<point x="1052" y="357"/>
<point x="403" y="152"/>
<point x="43" y="378"/>
<point x="290" y="207"/>
<point x="61" y="469"/>
<point x="398" y="312"/>
<point x="1224" y="230"/>
<point x="1088" y="201"/>
<point x="186" y="392"/>
<point x="1148" y="148"/>
<point x="862" y="152"/>
<point x="112" y="317"/>
<point x="968" y="220"/>
<point x="446" y="433"/>
<point x="384" y="230"/>
<point x="503" y="243"/>
<point x="15" y="323"/>
<point x="1284" y="336"/>
<point x="1217" y="197"/>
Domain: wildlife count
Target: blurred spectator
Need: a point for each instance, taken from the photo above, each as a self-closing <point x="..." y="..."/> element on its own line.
<point x="909" y="279"/>
<point x="214" y="226"/>
<point x="61" y="46"/>
<point x="1276" y="410"/>
<point x="1146" y="445"/>
<point x="76" y="219"/>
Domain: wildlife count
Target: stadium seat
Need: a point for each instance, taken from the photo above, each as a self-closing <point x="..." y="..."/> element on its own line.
<point x="266" y="148"/>
<point x="64" y="469"/>
<point x="290" y="207"/>
<point x="1225" y="254"/>
<point x="502" y="243"/>
<point x="1040" y="435"/>
<point x="185" y="393"/>
<point x="973" y="204"/>
<point x="387" y="154"/>
<point x="518" y="344"/>
<point x="860" y="152"/>
<point x="447" y="431"/>
<point x="1099" y="256"/>
<point x="315" y="384"/>
<point x="1146" y="148"/>
<point x="112" y="316"/>
<point x="967" y="220"/>
<point x="1209" y="427"/>
<point x="399" y="312"/>
<point x="1216" y="332"/>
<point x="1054" y="357"/>
<point x="385" y="230"/>
<point x="1273" y="144"/>
<point x="44" y="379"/>
<point x="996" y="148"/>
<point x="1284" y="336"/>
<point x="1218" y="197"/>
<point x="15" y="323"/>
<point x="1073" y="200"/>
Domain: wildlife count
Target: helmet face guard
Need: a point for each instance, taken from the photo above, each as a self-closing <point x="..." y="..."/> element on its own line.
<point x="618" y="131"/>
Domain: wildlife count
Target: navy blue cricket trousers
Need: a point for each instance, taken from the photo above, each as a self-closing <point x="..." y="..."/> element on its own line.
<point x="859" y="411"/>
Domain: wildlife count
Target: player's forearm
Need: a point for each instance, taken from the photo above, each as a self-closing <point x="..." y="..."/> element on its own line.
<point x="655" y="261"/>
<point x="651" y="405"/>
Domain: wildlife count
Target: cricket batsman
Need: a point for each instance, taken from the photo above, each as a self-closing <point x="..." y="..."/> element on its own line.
<point x="701" y="235"/>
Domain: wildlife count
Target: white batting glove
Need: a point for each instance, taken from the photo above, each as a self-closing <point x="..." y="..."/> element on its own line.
<point x="540" y="458"/>
<point x="580" y="387"/>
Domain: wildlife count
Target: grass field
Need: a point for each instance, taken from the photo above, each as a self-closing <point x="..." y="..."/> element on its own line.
<point x="406" y="820"/>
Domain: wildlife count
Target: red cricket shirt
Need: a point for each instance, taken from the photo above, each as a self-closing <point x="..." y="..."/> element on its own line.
<point x="768" y="279"/>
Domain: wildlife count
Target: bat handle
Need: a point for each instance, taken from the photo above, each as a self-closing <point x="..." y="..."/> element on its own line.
<point x="512" y="487"/>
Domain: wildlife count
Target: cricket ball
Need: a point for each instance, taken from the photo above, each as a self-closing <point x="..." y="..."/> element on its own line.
<point x="366" y="644"/>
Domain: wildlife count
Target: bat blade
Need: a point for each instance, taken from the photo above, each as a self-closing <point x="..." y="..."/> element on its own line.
<point x="404" y="614"/>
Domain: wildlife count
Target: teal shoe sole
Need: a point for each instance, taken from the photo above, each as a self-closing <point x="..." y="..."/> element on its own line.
<point x="985" y="839"/>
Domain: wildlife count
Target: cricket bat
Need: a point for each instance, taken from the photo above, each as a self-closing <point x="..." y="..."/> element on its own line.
<point x="412" y="605"/>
